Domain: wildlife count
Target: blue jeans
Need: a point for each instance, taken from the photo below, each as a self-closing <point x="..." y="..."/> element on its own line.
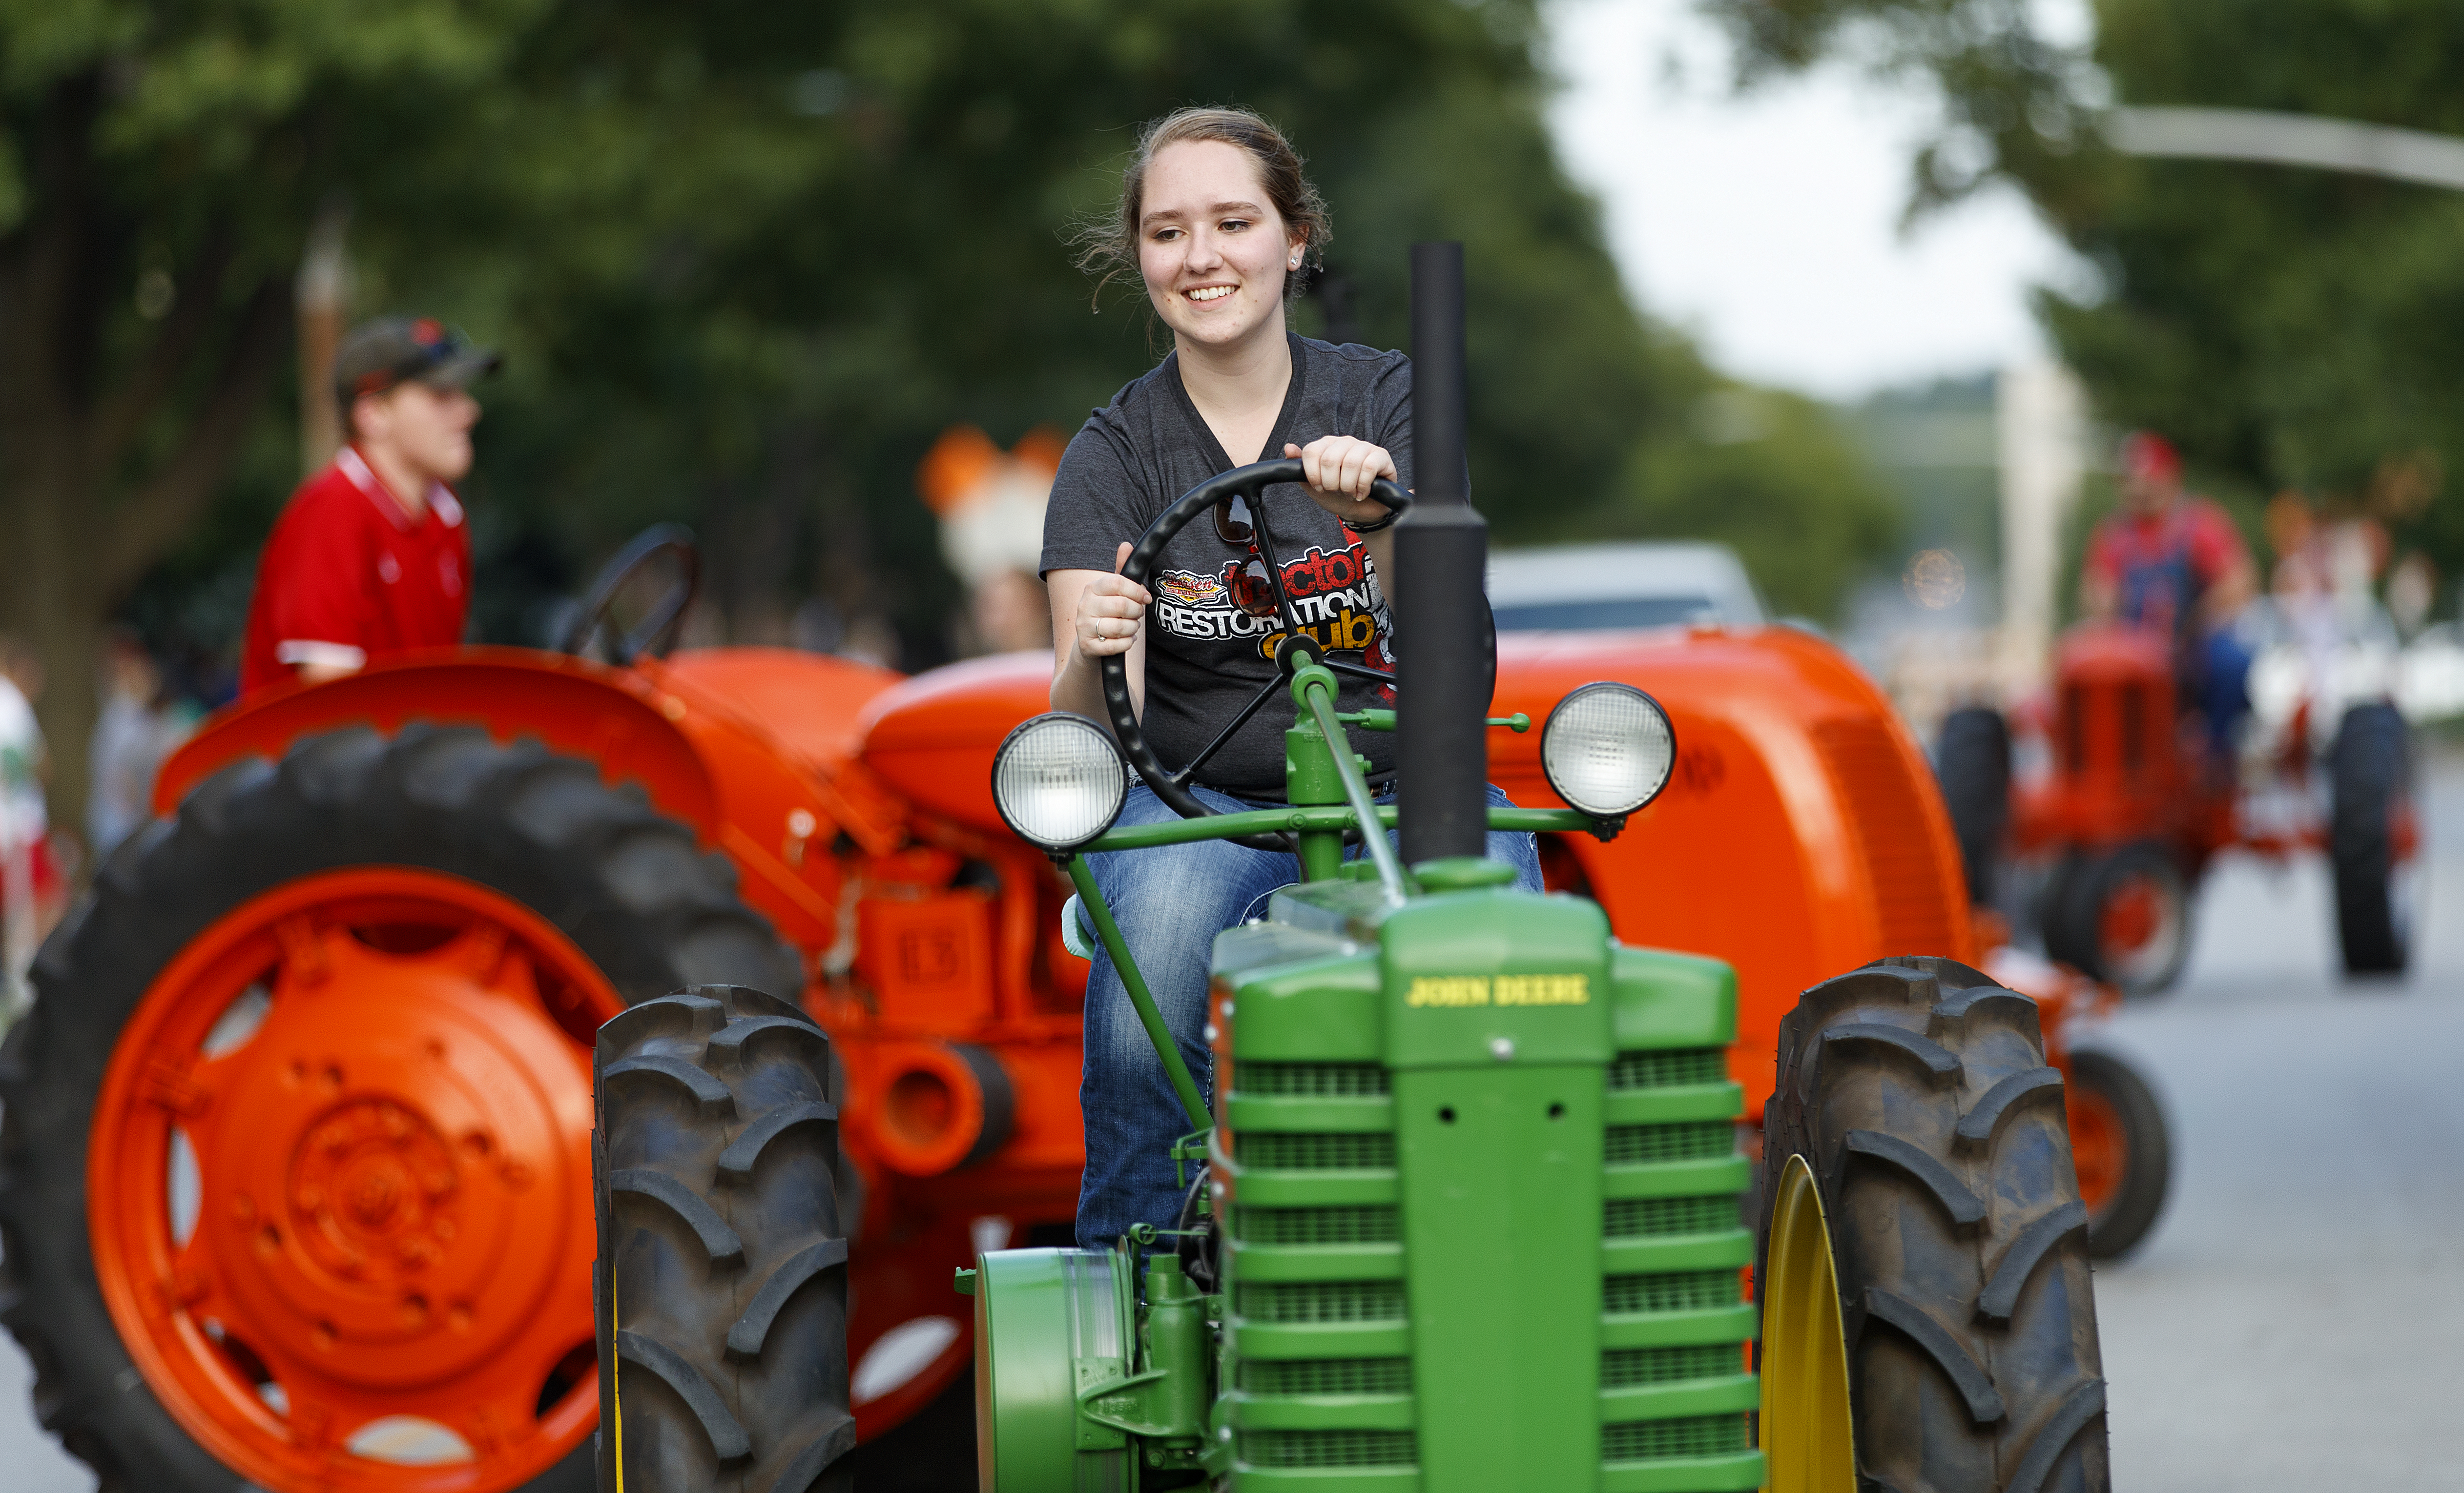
<point x="1170" y="902"/>
<point x="2223" y="687"/>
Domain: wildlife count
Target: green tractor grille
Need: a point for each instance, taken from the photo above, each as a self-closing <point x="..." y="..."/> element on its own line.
<point x="1320" y="1361"/>
<point x="1325" y="1376"/>
<point x="1638" y="1145"/>
<point x="1313" y="1080"/>
<point x="1683" y="1065"/>
<point x="1690" y="1290"/>
<point x="1314" y="1449"/>
<point x="1306" y="1227"/>
<point x="1687" y="1435"/>
<point x="1623" y="1366"/>
<point x="1631" y="1217"/>
<point x="1320" y="1301"/>
<point x="1269" y="1150"/>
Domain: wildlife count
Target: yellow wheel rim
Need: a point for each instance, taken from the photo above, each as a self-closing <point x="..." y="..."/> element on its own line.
<point x="1807" y="1433"/>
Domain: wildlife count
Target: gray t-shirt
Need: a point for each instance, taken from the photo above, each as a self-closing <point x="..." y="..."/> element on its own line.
<point x="1205" y="656"/>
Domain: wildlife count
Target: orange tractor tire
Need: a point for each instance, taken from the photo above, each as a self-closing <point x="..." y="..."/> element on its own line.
<point x="391" y="1292"/>
<point x="2119" y="1146"/>
<point x="2122" y="915"/>
<point x="723" y="1285"/>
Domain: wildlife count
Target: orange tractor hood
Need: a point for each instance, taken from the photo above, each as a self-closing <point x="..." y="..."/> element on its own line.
<point x="931" y="737"/>
<point x="1801" y="834"/>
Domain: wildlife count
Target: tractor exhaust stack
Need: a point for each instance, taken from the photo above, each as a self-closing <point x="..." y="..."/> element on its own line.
<point x="1440" y="562"/>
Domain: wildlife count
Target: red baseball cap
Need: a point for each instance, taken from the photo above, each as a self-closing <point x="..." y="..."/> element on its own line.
<point x="378" y="355"/>
<point x="2146" y="455"/>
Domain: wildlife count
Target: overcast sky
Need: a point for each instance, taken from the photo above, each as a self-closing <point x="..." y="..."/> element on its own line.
<point x="1768" y="225"/>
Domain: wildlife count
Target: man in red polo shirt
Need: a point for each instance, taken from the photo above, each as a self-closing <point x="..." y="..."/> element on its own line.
<point x="2173" y="563"/>
<point x="372" y="554"/>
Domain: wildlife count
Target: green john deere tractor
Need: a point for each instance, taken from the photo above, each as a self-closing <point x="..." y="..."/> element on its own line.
<point x="1466" y="1212"/>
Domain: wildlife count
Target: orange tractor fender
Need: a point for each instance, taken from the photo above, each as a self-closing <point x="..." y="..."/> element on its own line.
<point x="714" y="738"/>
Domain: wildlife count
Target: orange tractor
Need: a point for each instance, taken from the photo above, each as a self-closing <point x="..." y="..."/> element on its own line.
<point x="296" y="1162"/>
<point x="2130" y="800"/>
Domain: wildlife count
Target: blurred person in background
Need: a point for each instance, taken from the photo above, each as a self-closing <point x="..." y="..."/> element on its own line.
<point x="2172" y="563"/>
<point x="991" y="507"/>
<point x="1010" y="613"/>
<point x="372" y="556"/>
<point x="138" y="728"/>
<point x="29" y="878"/>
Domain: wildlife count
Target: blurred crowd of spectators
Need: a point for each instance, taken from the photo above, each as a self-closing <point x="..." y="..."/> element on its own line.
<point x="146" y="710"/>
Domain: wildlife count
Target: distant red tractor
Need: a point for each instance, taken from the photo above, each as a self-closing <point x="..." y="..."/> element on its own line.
<point x="296" y="1155"/>
<point x="2129" y="802"/>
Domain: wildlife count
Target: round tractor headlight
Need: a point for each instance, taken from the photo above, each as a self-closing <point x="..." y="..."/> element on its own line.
<point x="1058" y="781"/>
<point x="1608" y="749"/>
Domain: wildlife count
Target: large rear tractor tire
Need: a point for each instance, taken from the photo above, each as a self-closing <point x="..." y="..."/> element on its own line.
<point x="722" y="1273"/>
<point x="2119" y="1148"/>
<point x="1973" y="761"/>
<point x="2369" y="840"/>
<point x="294" y="1165"/>
<point x="1927" y="1317"/>
<point x="2121" y="915"/>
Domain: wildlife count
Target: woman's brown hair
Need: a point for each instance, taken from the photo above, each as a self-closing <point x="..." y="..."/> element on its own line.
<point x="1109" y="246"/>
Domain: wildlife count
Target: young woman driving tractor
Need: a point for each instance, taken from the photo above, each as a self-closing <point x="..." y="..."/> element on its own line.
<point x="1217" y="218"/>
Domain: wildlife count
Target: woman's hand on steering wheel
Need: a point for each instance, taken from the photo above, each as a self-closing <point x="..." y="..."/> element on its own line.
<point x="1339" y="470"/>
<point x="1111" y="611"/>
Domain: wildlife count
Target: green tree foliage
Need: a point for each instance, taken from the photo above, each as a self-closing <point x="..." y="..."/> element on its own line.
<point x="2289" y="327"/>
<point x="1775" y="476"/>
<point x="773" y="352"/>
<point x="159" y="165"/>
<point x="746" y="260"/>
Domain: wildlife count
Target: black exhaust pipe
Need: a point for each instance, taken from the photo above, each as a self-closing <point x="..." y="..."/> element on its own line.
<point x="1440" y="564"/>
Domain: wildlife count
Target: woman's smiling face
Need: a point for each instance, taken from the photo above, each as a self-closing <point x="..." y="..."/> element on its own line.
<point x="1212" y="248"/>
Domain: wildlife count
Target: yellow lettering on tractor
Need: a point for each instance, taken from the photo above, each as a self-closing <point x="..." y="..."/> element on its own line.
<point x="1543" y="990"/>
<point x="1507" y="990"/>
<point x="1448" y="990"/>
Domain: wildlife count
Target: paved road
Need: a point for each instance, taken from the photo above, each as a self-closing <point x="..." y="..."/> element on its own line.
<point x="2296" y="1318"/>
<point x="2296" y="1321"/>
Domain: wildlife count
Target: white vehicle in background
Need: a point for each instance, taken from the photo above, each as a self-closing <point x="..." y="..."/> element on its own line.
<point x="1598" y="587"/>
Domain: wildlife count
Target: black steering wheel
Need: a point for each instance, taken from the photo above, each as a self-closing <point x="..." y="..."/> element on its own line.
<point x="1248" y="482"/>
<point x="655" y="633"/>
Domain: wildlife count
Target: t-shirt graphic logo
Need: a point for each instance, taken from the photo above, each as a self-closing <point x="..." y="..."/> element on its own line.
<point x="1334" y="593"/>
<point x="1190" y="588"/>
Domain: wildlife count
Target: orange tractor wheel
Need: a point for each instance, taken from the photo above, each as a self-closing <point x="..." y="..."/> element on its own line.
<point x="2121" y="915"/>
<point x="2119" y="1145"/>
<point x="297" y="1148"/>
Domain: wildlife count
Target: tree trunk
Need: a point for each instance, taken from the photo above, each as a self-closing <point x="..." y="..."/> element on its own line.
<point x="78" y="528"/>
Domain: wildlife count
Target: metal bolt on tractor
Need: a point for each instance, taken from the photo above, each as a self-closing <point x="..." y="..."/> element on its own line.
<point x="1465" y="1211"/>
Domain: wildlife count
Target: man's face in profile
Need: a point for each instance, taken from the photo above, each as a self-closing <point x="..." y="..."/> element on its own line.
<point x="425" y="426"/>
